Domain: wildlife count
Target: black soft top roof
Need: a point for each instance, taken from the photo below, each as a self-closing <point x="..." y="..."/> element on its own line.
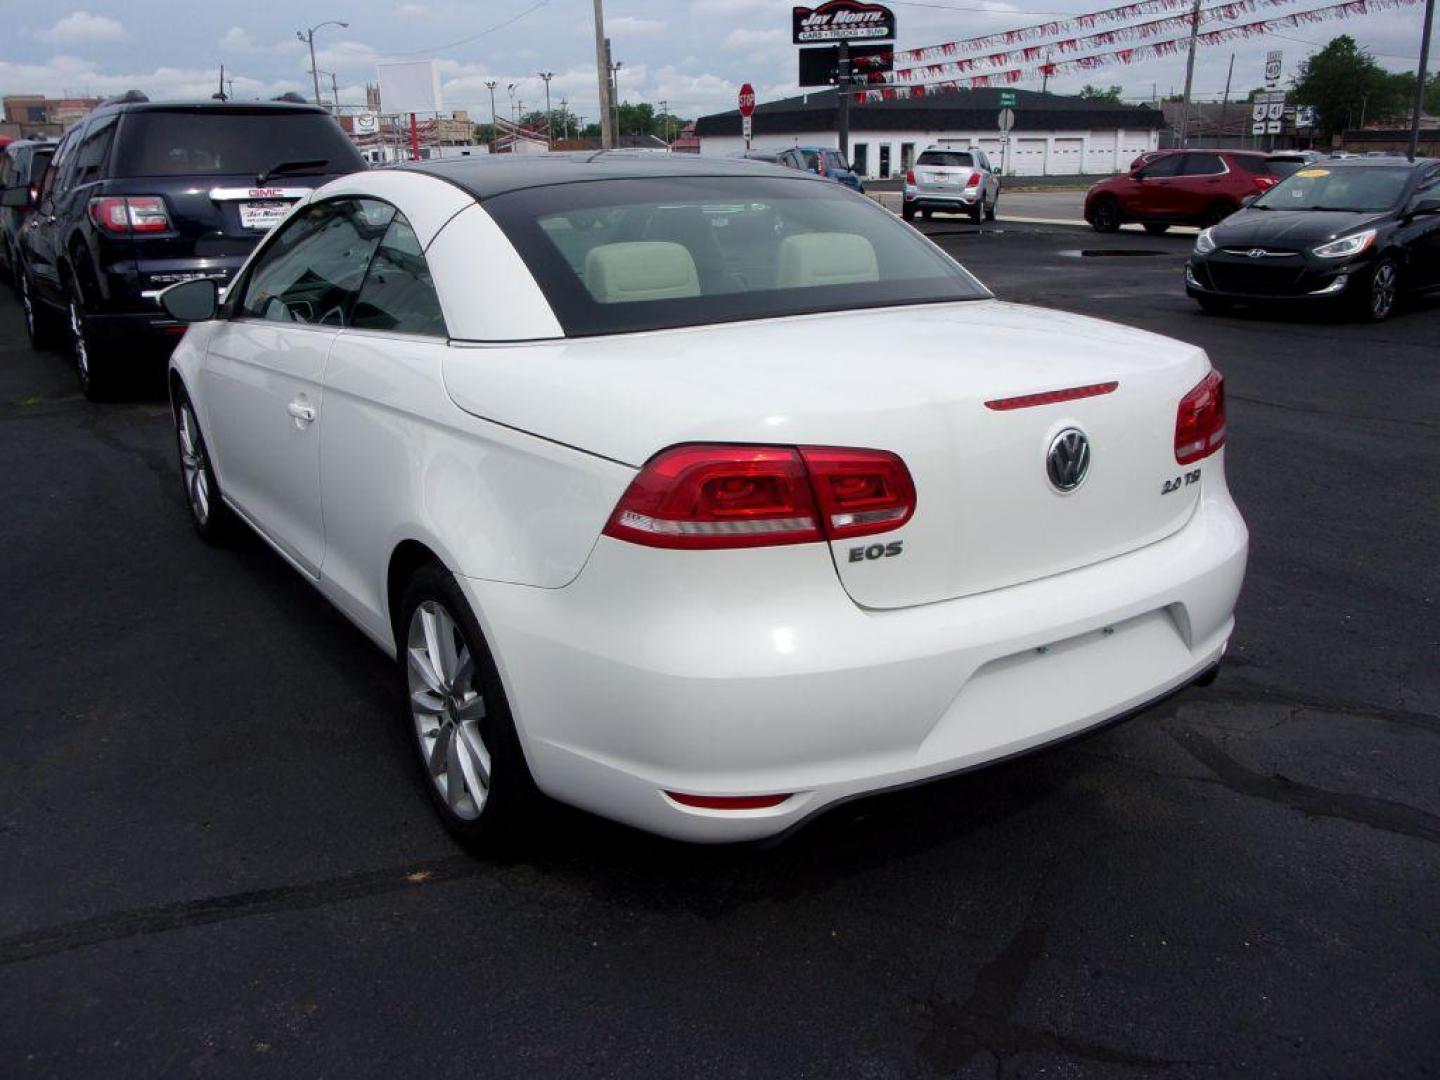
<point x="497" y="174"/>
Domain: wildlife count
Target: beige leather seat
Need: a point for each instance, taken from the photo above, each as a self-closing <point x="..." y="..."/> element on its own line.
<point x="825" y="259"/>
<point x="640" y="270"/>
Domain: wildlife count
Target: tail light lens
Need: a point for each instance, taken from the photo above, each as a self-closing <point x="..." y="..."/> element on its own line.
<point x="974" y="180"/>
<point x="1200" y="420"/>
<point x="1265" y="183"/>
<point x="132" y="214"/>
<point x="722" y="496"/>
<point x="910" y="176"/>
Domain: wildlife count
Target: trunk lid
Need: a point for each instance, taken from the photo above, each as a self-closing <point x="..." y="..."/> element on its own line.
<point x="914" y="381"/>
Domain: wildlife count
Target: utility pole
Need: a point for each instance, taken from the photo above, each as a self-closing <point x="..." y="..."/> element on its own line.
<point x="615" y="90"/>
<point x="602" y="74"/>
<point x="842" y="80"/>
<point x="564" y="119"/>
<point x="546" y="76"/>
<point x="665" y="112"/>
<point x="490" y="85"/>
<point x="510" y="89"/>
<point x="1420" y="80"/>
<point x="1225" y="101"/>
<point x="308" y="36"/>
<point x="1189" y="72"/>
<point x="1045" y="73"/>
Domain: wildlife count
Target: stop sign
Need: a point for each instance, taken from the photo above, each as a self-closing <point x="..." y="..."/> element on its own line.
<point x="747" y="99"/>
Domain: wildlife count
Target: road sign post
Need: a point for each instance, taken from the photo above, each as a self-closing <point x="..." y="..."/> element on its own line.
<point x="747" y="110"/>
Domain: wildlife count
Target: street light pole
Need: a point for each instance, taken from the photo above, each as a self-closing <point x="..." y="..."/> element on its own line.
<point x="564" y="119"/>
<point x="549" y="123"/>
<point x="308" y="36"/>
<point x="615" y="97"/>
<point x="665" y="112"/>
<point x="490" y="85"/>
<point x="1420" y="80"/>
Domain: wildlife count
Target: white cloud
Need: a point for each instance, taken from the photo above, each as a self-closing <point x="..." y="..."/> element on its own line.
<point x="629" y="24"/>
<point x="237" y="39"/>
<point x="84" y="28"/>
<point x="412" y="11"/>
<point x="746" y="38"/>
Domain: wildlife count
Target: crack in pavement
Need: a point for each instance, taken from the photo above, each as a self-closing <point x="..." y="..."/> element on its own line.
<point x="982" y="1022"/>
<point x="177" y="916"/>
<point x="1380" y="814"/>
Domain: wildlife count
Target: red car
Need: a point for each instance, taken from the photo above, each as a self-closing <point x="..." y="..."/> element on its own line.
<point x="1191" y="187"/>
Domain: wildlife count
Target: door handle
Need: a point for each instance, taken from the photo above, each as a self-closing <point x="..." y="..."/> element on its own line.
<point x="301" y="411"/>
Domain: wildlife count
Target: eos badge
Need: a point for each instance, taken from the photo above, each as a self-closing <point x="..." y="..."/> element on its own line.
<point x="876" y="551"/>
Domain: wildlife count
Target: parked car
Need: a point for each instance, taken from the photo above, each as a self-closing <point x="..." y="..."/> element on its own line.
<point x="952" y="180"/>
<point x="22" y="163"/>
<point x="1149" y="156"/>
<point x="1193" y="187"/>
<point x="612" y="469"/>
<point x="140" y="195"/>
<point x="822" y="161"/>
<point x="1362" y="231"/>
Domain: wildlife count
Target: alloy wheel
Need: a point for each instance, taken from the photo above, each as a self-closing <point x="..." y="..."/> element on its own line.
<point x="1382" y="290"/>
<point x="447" y="709"/>
<point x="77" y="342"/>
<point x="193" y="468"/>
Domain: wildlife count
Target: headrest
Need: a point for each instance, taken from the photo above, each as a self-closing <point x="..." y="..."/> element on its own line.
<point x="825" y="259"/>
<point x="640" y="270"/>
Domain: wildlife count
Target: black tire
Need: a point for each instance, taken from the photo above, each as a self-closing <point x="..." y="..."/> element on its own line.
<point x="907" y="211"/>
<point x="1215" y="213"/>
<point x="993" y="207"/>
<point x="510" y="806"/>
<point x="93" y="369"/>
<point x="1214" y="305"/>
<point x="978" y="210"/>
<point x="213" y="520"/>
<point x="41" y="326"/>
<point x="1105" y="215"/>
<point x="1156" y="228"/>
<point x="926" y="214"/>
<point x="1376" y="301"/>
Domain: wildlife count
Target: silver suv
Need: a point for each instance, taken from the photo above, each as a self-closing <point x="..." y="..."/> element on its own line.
<point x="953" y="180"/>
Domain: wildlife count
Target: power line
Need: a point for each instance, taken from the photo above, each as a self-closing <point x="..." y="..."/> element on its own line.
<point x="476" y="37"/>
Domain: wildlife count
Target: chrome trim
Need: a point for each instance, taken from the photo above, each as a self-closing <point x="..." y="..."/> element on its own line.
<point x="259" y="194"/>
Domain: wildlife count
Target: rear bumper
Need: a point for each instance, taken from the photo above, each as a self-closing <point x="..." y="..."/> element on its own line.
<point x="657" y="671"/>
<point x="933" y="200"/>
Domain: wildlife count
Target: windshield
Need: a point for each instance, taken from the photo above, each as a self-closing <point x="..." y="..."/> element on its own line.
<point x="954" y="160"/>
<point x="1318" y="188"/>
<point x="212" y="142"/>
<point x="643" y="254"/>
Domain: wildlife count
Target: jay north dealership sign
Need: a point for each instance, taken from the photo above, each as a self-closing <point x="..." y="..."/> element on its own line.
<point x="842" y="20"/>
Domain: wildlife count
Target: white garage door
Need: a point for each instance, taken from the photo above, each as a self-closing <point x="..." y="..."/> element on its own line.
<point x="1068" y="158"/>
<point x="1027" y="158"/>
<point x="1100" y="157"/>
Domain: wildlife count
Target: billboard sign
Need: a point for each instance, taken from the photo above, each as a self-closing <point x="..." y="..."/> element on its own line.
<point x="821" y="66"/>
<point x="410" y="87"/>
<point x="841" y="20"/>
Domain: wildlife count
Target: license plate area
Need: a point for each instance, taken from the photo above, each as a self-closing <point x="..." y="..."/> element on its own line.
<point x="263" y="216"/>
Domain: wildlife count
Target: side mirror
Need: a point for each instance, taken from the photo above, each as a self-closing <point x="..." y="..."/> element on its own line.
<point x="191" y="301"/>
<point x="1425" y="204"/>
<point x="17" y="198"/>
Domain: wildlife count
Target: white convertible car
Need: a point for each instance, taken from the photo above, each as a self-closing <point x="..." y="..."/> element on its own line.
<point x="702" y="494"/>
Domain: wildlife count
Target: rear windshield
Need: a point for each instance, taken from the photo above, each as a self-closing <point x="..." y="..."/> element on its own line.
<point x="1280" y="168"/>
<point x="644" y="254"/>
<point x="215" y="143"/>
<point x="949" y="158"/>
<point x="1358" y="188"/>
<point x="834" y="162"/>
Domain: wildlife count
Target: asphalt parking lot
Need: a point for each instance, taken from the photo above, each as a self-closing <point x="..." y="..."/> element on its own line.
<point x="216" y="860"/>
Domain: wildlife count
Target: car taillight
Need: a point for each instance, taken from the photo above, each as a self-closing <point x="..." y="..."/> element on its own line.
<point x="1265" y="183"/>
<point x="974" y="180"/>
<point x="131" y="214"/>
<point x="725" y="496"/>
<point x="910" y="176"/>
<point x="1200" y="420"/>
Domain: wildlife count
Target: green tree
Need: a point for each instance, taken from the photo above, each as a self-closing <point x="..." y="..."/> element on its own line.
<point x="1343" y="83"/>
<point x="1110" y="94"/>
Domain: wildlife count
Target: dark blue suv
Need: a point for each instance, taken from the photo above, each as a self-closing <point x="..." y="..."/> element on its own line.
<point x="824" y="161"/>
<point x="140" y="195"/>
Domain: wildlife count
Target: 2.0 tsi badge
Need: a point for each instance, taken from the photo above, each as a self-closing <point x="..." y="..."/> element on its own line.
<point x="1068" y="460"/>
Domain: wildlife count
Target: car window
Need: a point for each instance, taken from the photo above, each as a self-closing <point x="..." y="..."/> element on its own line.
<point x="1169" y="165"/>
<point x="620" y="255"/>
<point x="312" y="269"/>
<point x="1280" y="169"/>
<point x="809" y="160"/>
<point x="398" y="293"/>
<point x="835" y="162"/>
<point x="1202" y="165"/>
<point x="7" y="168"/>
<point x="38" y="163"/>
<point x="90" y="155"/>
<point x="60" y="180"/>
<point x="952" y="159"/>
<point x="1357" y="188"/>
<point x="216" y="142"/>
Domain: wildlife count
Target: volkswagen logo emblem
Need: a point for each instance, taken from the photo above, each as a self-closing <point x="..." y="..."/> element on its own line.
<point x="1257" y="253"/>
<point x="1068" y="460"/>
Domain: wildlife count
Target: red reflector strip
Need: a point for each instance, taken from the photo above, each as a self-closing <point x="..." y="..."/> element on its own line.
<point x="727" y="802"/>
<point x="1050" y="397"/>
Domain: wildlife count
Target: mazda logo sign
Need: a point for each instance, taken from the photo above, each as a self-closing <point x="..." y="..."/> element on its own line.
<point x="1068" y="460"/>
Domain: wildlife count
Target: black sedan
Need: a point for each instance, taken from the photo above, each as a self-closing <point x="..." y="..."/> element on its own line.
<point x="1360" y="232"/>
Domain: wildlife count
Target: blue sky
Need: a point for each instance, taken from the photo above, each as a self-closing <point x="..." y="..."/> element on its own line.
<point x="693" y="53"/>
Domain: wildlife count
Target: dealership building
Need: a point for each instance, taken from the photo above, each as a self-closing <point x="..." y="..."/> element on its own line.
<point x="1053" y="135"/>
